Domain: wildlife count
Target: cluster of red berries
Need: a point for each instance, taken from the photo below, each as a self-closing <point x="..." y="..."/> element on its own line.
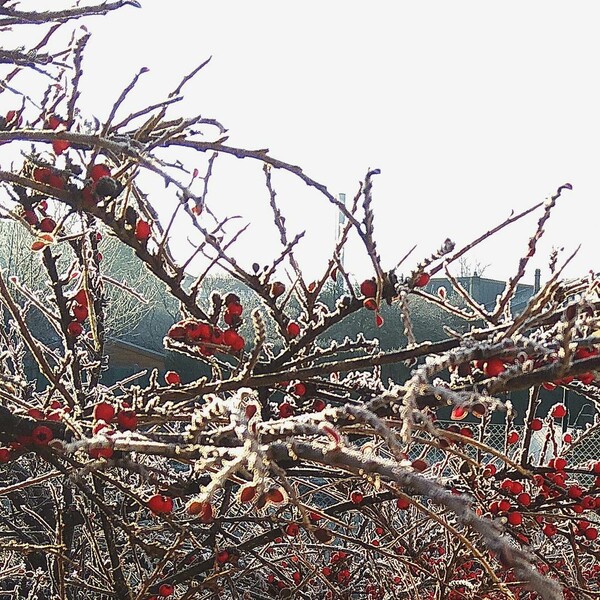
<point x="208" y="338"/>
<point x="368" y="288"/>
<point x="104" y="415"/>
<point x="585" y="529"/>
<point x="494" y="366"/>
<point x="49" y="176"/>
<point x="587" y="378"/>
<point x="338" y="568"/>
<point x="233" y="310"/>
<point x="43" y="222"/>
<point x="273" y="495"/>
<point x="552" y="484"/>
<point x="79" y="311"/>
<point x="41" y="434"/>
<point x="447" y="441"/>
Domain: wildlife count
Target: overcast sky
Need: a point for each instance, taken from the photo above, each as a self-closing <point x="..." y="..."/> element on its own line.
<point x="470" y="109"/>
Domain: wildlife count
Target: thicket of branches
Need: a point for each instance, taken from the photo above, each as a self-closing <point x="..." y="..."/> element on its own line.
<point x="292" y="469"/>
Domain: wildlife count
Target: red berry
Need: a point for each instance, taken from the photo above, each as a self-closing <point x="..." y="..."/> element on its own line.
<point x="458" y="413"/>
<point x="41" y="435"/>
<point x="231" y="298"/>
<point x="5" y="455"/>
<point x="549" y="529"/>
<point x="293" y="329"/>
<point x="588" y="502"/>
<point x="56" y="181"/>
<point x="36" y="414"/>
<point x="127" y="419"/>
<point x="299" y="389"/>
<point x="104" y="411"/>
<point x="275" y="495"/>
<point x="292" y="530"/>
<point x="160" y="504"/>
<point x="231" y="319"/>
<point x="204" y="510"/>
<point x="493" y="367"/>
<point x="99" y="171"/>
<point x="370" y="304"/>
<point x="247" y="493"/>
<point x="591" y="533"/>
<point x="356" y="497"/>
<point x="422" y="280"/>
<point x="235" y="309"/>
<point x="524" y="499"/>
<point x="59" y="146"/>
<point x="166" y="589"/>
<point x="80" y="312"/>
<point x="318" y="405"/>
<point x="567" y="438"/>
<point x="80" y="297"/>
<point x="41" y="174"/>
<point x="558" y="411"/>
<point x="54" y="122"/>
<point x="586" y="378"/>
<point x="101" y="452"/>
<point x="513" y="437"/>
<point x="516" y="487"/>
<point x="285" y="410"/>
<point x="142" y="230"/>
<point x="419" y="465"/>
<point x="536" y="424"/>
<point x="234" y="340"/>
<point x="515" y="518"/>
<point x="277" y="289"/>
<point x="74" y="328"/>
<point x="172" y="378"/>
<point x="402" y="503"/>
<point x="582" y="524"/>
<point x="368" y="288"/>
<point x="466" y="432"/>
<point x="177" y="332"/>
<point x="222" y="557"/>
<point x="489" y="470"/>
<point x="47" y="225"/>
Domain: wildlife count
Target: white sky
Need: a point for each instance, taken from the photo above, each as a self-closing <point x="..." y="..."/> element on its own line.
<point x="470" y="109"/>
